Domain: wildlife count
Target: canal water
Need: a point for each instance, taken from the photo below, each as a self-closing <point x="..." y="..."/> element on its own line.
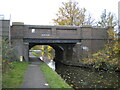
<point x="78" y="77"/>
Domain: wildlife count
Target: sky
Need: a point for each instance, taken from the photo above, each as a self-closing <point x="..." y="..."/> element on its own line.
<point x="41" y="12"/>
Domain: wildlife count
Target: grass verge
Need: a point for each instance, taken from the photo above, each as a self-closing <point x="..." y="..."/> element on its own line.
<point x="14" y="77"/>
<point x="53" y="79"/>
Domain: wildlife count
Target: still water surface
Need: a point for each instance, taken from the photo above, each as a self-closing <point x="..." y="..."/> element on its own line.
<point x="78" y="77"/>
<point x="85" y="78"/>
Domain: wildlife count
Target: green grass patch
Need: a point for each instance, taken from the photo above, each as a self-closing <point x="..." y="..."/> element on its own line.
<point x="14" y="77"/>
<point x="53" y="79"/>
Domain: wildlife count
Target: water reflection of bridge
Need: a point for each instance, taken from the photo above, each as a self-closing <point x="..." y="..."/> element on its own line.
<point x="46" y="59"/>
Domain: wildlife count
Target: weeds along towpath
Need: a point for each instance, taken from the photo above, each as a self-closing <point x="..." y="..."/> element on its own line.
<point x="33" y="77"/>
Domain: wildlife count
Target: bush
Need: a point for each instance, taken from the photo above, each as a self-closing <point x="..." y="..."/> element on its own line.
<point x="8" y="55"/>
<point x="107" y="58"/>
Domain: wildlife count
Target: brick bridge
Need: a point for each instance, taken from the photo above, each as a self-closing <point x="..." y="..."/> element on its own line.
<point x="71" y="43"/>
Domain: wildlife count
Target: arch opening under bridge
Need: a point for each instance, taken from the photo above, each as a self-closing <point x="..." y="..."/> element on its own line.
<point x="63" y="51"/>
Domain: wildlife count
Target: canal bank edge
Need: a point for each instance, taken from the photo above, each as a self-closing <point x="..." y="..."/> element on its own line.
<point x="90" y="66"/>
<point x="53" y="79"/>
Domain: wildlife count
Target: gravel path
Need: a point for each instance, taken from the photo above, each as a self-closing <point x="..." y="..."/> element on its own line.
<point x="33" y="77"/>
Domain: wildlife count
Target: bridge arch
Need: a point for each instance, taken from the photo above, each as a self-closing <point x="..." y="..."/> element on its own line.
<point x="68" y="41"/>
<point x="59" y="49"/>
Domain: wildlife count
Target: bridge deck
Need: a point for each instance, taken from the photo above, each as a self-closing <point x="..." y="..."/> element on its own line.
<point x="57" y="32"/>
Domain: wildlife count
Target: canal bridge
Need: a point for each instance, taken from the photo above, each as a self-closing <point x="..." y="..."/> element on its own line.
<point x="71" y="43"/>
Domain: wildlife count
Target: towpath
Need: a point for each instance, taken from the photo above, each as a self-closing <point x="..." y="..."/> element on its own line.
<point x="33" y="77"/>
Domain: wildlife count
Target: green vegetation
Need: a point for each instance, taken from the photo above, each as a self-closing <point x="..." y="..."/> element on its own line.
<point x="37" y="47"/>
<point x="35" y="54"/>
<point x="8" y="55"/>
<point x="12" y="69"/>
<point x="14" y="77"/>
<point x="107" y="19"/>
<point x="53" y="79"/>
<point x="70" y="14"/>
<point x="48" y="51"/>
<point x="107" y="58"/>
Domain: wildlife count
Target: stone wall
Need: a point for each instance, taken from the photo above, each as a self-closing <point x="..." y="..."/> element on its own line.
<point x="4" y="28"/>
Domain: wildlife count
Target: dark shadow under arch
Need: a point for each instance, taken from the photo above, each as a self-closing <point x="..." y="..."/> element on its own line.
<point x="59" y="49"/>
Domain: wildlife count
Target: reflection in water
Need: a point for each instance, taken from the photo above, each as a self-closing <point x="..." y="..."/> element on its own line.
<point x="78" y="77"/>
<point x="47" y="55"/>
<point x="85" y="78"/>
<point x="41" y="58"/>
<point x="46" y="59"/>
<point x="51" y="64"/>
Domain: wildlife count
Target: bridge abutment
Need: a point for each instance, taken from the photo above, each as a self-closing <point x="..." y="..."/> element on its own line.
<point x="71" y="54"/>
<point x="21" y="48"/>
<point x="17" y="44"/>
<point x="26" y="52"/>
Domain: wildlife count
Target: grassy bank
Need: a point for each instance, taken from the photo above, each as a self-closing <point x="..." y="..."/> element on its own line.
<point x="14" y="77"/>
<point x="53" y="79"/>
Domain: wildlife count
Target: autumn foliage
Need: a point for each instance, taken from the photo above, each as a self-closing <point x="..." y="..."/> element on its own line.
<point x="108" y="58"/>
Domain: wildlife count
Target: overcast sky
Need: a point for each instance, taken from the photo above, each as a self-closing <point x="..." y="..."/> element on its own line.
<point x="41" y="12"/>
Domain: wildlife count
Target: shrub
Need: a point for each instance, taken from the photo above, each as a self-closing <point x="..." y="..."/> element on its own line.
<point x="107" y="58"/>
<point x="8" y="55"/>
